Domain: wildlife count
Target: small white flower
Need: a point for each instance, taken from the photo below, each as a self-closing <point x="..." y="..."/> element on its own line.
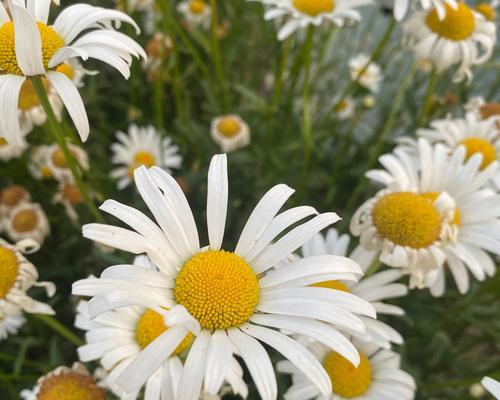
<point x="230" y="132"/>
<point x="492" y="386"/>
<point x="10" y="324"/>
<point x="463" y="38"/>
<point x="56" y="164"/>
<point x="372" y="76"/>
<point x="69" y="196"/>
<point x="142" y="146"/>
<point x="27" y="221"/>
<point x="10" y="197"/>
<point x="195" y="12"/>
<point x="401" y="7"/>
<point x="345" y="109"/>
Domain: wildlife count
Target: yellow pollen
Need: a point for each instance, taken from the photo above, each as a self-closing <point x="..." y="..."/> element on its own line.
<point x="72" y="194"/>
<point x="197" y="6"/>
<point x="59" y="159"/>
<point x="9" y="269"/>
<point x="67" y="70"/>
<point x="333" y="285"/>
<point x="314" y="7"/>
<point x="150" y="326"/>
<point x="489" y="110"/>
<point x="229" y="127"/>
<point x="487" y="11"/>
<point x="407" y="219"/>
<point x="3" y="142"/>
<point x="28" y="98"/>
<point x="46" y="172"/>
<point x="25" y="220"/>
<point x="432" y="196"/>
<point x="458" y="24"/>
<point x="141" y="158"/>
<point x="51" y="42"/>
<point x="70" y="386"/>
<point x="475" y="145"/>
<point x="347" y="380"/>
<point x="12" y="195"/>
<point x="218" y="288"/>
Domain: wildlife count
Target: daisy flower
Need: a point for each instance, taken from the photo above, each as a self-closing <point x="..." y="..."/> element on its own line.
<point x="302" y="13"/>
<point x="9" y="151"/>
<point x="401" y="7"/>
<point x="11" y="197"/>
<point x="69" y="196"/>
<point x="10" y="324"/>
<point x="464" y="38"/>
<point x="64" y="382"/>
<point x="477" y="136"/>
<point x="27" y="221"/>
<point x="116" y="337"/>
<point x="142" y="146"/>
<point x="372" y="76"/>
<point x="378" y="376"/>
<point x="57" y="165"/>
<point x="230" y="132"/>
<point x="232" y="300"/>
<point x="195" y="12"/>
<point x="492" y="386"/>
<point x="18" y="276"/>
<point x="434" y="210"/>
<point x="345" y="109"/>
<point x="39" y="162"/>
<point x="34" y="48"/>
<point x="374" y="289"/>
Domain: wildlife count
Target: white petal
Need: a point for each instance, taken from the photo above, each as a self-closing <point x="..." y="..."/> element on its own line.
<point x="220" y="352"/>
<point x="217" y="200"/>
<point x="10" y="87"/>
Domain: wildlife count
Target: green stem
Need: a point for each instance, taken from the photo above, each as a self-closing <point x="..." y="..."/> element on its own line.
<point x="306" y="113"/>
<point x="374" y="57"/>
<point x="424" y="112"/>
<point x="280" y="72"/>
<point x="389" y="123"/>
<point x="59" y="328"/>
<point x="216" y="57"/>
<point x="58" y="132"/>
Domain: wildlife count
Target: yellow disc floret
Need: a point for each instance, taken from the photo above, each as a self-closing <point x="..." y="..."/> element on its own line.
<point x="347" y="380"/>
<point x="487" y="10"/>
<point x="229" y="127"/>
<point x="475" y="145"/>
<point x="197" y="6"/>
<point x="333" y="285"/>
<point x="407" y="219"/>
<point x="72" y="194"/>
<point x="459" y="23"/>
<point x="3" y="142"/>
<point x="432" y="196"/>
<point x="25" y="220"/>
<point x="150" y="326"/>
<point x="9" y="269"/>
<point x="67" y="70"/>
<point x="141" y="158"/>
<point x="218" y="288"/>
<point x="70" y="386"/>
<point x="314" y="7"/>
<point x="59" y="159"/>
<point x="28" y="98"/>
<point x="51" y="42"/>
<point x="12" y="195"/>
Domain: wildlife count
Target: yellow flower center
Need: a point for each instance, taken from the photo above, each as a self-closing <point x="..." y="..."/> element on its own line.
<point x="46" y="172"/>
<point x="9" y="269"/>
<point x="150" y="326"/>
<point x="28" y="98"/>
<point x="72" y="194"/>
<point x="58" y="159"/>
<point x="70" y="386"/>
<point x="487" y="11"/>
<point x="314" y="7"/>
<point x="51" y="42"/>
<point x="489" y="110"/>
<point x="25" y="220"/>
<point x="407" y="219"/>
<point x="347" y="380"/>
<point x="479" y="145"/>
<point x="3" y="142"/>
<point x="197" y="6"/>
<point x="229" y="127"/>
<point x="218" y="288"/>
<point x="67" y="70"/>
<point x="459" y="24"/>
<point x="432" y="196"/>
<point x="141" y="158"/>
<point x="333" y="285"/>
<point x="13" y="195"/>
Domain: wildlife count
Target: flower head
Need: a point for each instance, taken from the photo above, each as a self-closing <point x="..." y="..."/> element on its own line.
<point x="26" y="221"/>
<point x="195" y="12"/>
<point x="230" y="132"/>
<point x="372" y="75"/>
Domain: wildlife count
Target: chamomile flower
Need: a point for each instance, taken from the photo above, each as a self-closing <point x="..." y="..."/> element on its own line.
<point x="463" y="38"/>
<point x="302" y="13"/>
<point x="371" y="77"/>
<point x="66" y="383"/>
<point x="11" y="196"/>
<point x="17" y="277"/>
<point x="492" y="386"/>
<point x="142" y="146"/>
<point x="230" y="132"/>
<point x="375" y="289"/>
<point x="434" y="211"/>
<point x="195" y="12"/>
<point x="57" y="165"/>
<point x="477" y="136"/>
<point x="116" y="337"/>
<point x="10" y="324"/>
<point x="345" y="109"/>
<point x="31" y="48"/>
<point x="69" y="196"/>
<point x="39" y="162"/>
<point x="378" y="376"/>
<point x="27" y="221"/>
<point x="9" y="151"/>
<point x="232" y="299"/>
<point x="401" y="7"/>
